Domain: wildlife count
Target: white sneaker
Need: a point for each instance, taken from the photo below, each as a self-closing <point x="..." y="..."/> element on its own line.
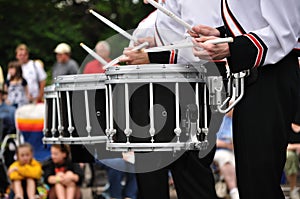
<point x="294" y="194"/>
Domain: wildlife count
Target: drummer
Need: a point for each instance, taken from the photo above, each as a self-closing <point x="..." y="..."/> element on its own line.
<point x="196" y="180"/>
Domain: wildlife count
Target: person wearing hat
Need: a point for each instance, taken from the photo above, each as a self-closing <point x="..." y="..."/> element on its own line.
<point x="64" y="65"/>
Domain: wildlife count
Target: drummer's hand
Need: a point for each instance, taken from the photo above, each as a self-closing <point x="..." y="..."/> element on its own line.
<point x="150" y="40"/>
<point x="204" y="30"/>
<point x="134" y="57"/>
<point x="296" y="127"/>
<point x="209" y="51"/>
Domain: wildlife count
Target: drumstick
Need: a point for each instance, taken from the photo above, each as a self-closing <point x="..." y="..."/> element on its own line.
<point x="92" y="53"/>
<point x="114" y="26"/>
<point x="185" y="24"/>
<point x="188" y="45"/>
<point x="115" y="61"/>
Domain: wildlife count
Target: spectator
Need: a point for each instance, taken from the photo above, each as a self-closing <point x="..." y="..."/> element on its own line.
<point x="7" y="126"/>
<point x="63" y="176"/>
<point x="64" y="65"/>
<point x="291" y="169"/>
<point x="16" y="86"/>
<point x="24" y="172"/>
<point x="115" y="171"/>
<point x="7" y="115"/>
<point x="102" y="48"/>
<point x="224" y="156"/>
<point x="33" y="73"/>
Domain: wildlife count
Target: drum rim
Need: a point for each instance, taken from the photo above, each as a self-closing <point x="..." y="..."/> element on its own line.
<point x="159" y="146"/>
<point x="80" y="78"/>
<point x="155" y="68"/>
<point x="76" y="140"/>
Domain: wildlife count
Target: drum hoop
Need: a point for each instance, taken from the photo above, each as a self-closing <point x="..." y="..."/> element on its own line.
<point x="79" y="78"/>
<point x="145" y="146"/>
<point x="50" y="88"/>
<point x="80" y="82"/>
<point x="50" y="95"/>
<point x="159" y="80"/>
<point x="76" y="140"/>
<point x="152" y="68"/>
<point x="76" y="87"/>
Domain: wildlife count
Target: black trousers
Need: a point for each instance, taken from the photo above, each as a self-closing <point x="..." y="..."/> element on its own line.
<point x="261" y="129"/>
<point x="192" y="177"/>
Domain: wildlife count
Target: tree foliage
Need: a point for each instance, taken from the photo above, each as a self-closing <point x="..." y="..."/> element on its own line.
<point x="43" y="24"/>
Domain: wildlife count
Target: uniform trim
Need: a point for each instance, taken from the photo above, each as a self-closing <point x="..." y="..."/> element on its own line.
<point x="158" y="39"/>
<point x="172" y="57"/>
<point x="261" y="48"/>
<point x="231" y="22"/>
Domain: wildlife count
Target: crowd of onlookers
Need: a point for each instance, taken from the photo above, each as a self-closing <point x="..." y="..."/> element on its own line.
<point x="24" y="84"/>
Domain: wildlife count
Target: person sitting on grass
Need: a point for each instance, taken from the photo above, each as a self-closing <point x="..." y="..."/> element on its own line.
<point x="24" y="172"/>
<point x="63" y="176"/>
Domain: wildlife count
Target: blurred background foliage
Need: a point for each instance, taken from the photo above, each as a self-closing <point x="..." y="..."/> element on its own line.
<point x="43" y="24"/>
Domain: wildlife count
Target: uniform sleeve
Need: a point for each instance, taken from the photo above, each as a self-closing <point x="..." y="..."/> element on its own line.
<point x="164" y="57"/>
<point x="271" y="43"/>
<point x="32" y="170"/>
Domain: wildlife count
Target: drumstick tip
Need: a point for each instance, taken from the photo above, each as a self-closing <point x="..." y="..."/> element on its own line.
<point x="81" y="44"/>
<point x="91" y="10"/>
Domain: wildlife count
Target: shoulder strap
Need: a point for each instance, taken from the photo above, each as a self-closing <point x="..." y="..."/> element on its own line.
<point x="36" y="72"/>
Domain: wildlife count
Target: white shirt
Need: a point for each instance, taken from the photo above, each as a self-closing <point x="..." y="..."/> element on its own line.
<point x="274" y="24"/>
<point x="193" y="12"/>
<point x="146" y="26"/>
<point x="33" y="72"/>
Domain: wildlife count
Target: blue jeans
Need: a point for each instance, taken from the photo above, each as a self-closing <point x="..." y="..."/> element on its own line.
<point x="116" y="168"/>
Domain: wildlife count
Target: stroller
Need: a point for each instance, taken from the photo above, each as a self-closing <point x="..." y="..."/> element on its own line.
<point x="7" y="151"/>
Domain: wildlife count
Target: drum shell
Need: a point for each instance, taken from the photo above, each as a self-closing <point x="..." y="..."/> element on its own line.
<point x="76" y="86"/>
<point x="164" y="111"/>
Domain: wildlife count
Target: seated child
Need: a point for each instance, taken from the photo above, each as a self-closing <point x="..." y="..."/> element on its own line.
<point x="24" y="170"/>
<point x="63" y="176"/>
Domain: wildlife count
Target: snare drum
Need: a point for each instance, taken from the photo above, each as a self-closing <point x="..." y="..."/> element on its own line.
<point x="50" y="119"/>
<point x="76" y="110"/>
<point x="156" y="107"/>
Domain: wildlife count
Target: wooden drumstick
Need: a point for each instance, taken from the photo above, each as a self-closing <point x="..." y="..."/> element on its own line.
<point x="114" y="26"/>
<point x="93" y="54"/>
<point x="188" y="44"/>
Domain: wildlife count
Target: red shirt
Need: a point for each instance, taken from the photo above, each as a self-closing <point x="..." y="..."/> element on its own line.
<point x="93" y="66"/>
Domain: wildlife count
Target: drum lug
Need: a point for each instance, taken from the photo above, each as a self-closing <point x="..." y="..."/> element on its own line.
<point x="177" y="131"/>
<point x="128" y="132"/>
<point x="45" y="131"/>
<point x="71" y="129"/>
<point x="110" y="134"/>
<point x="60" y="130"/>
<point x="152" y="133"/>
